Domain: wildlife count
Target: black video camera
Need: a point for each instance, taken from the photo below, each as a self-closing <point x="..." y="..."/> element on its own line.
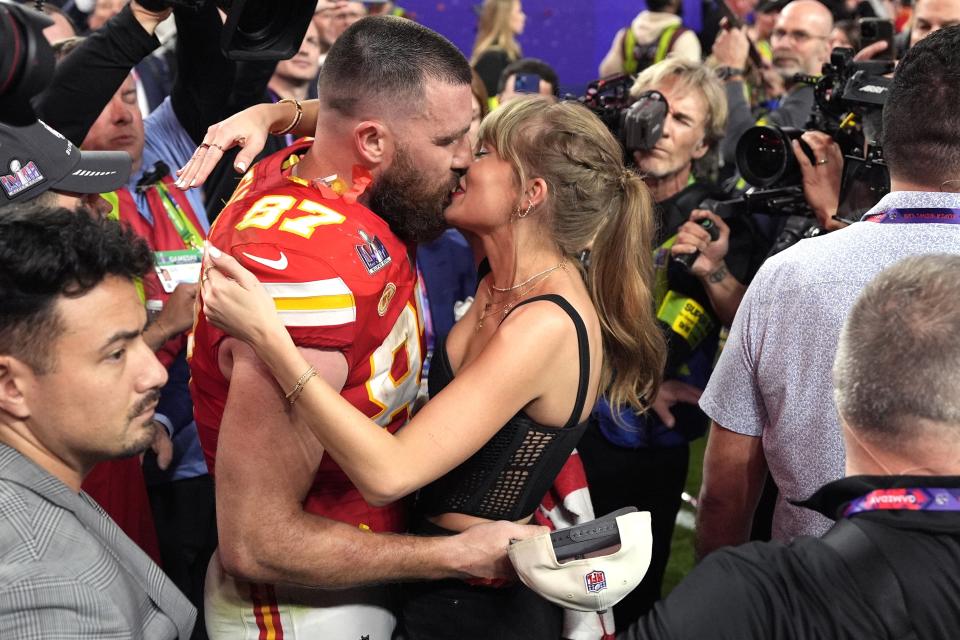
<point x="637" y="124"/>
<point x="849" y="99"/>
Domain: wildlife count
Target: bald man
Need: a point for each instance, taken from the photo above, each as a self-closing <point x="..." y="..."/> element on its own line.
<point x="800" y="42"/>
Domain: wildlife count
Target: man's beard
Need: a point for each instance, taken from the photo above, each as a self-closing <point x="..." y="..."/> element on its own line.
<point x="141" y="441"/>
<point x="412" y="208"/>
<point x="788" y="69"/>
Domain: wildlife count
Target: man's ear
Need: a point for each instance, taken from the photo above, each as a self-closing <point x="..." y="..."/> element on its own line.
<point x="13" y="375"/>
<point x="374" y="142"/>
<point x="701" y="149"/>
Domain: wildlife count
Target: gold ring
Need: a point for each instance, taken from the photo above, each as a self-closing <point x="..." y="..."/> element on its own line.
<point x="204" y="145"/>
<point x="241" y="140"/>
<point x="823" y="161"/>
<point x="217" y="147"/>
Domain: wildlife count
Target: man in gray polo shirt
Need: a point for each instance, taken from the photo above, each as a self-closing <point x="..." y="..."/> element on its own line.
<point x="770" y="394"/>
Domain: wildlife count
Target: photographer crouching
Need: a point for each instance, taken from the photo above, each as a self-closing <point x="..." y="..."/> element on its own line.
<point x="672" y="132"/>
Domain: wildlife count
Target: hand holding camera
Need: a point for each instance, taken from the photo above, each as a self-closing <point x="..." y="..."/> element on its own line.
<point x="705" y="237"/>
<point x="732" y="48"/>
<point x="821" y="178"/>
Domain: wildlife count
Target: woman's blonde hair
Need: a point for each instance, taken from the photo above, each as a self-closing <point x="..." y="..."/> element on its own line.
<point x="593" y="201"/>
<point x="494" y="31"/>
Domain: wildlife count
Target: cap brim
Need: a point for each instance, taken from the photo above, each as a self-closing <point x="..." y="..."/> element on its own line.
<point x="97" y="172"/>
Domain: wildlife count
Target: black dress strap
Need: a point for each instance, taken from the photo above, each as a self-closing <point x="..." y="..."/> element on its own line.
<point x="583" y="346"/>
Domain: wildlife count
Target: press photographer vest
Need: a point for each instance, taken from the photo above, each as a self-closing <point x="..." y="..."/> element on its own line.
<point x="638" y="56"/>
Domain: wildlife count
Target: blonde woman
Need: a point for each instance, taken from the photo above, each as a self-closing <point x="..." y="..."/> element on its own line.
<point x="513" y="387"/>
<point x="496" y="46"/>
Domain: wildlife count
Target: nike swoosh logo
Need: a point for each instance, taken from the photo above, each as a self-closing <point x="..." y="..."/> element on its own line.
<point x="279" y="264"/>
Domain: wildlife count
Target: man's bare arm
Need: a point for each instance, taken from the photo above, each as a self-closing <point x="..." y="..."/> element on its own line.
<point x="266" y="462"/>
<point x="734" y="470"/>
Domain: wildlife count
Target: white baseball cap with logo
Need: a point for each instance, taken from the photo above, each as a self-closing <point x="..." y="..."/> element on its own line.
<point x="587" y="583"/>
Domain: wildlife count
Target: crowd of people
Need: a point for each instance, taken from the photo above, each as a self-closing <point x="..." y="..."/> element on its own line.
<point x="373" y="313"/>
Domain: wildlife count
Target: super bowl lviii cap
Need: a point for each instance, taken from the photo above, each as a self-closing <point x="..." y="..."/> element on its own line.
<point x="36" y="158"/>
<point x="587" y="583"/>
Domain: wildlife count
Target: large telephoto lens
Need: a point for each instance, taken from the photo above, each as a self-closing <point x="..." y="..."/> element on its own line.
<point x="765" y="157"/>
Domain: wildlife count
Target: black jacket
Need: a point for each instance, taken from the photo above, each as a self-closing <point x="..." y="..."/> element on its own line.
<point x="774" y="591"/>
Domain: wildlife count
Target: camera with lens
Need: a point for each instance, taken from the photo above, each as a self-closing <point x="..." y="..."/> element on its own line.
<point x="636" y="122"/>
<point x="849" y="99"/>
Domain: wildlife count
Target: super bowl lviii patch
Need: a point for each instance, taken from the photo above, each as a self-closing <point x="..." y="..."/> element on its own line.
<point x="372" y="253"/>
<point x="21" y="177"/>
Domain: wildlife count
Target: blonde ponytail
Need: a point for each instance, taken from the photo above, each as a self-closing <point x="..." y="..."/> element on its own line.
<point x="593" y="201"/>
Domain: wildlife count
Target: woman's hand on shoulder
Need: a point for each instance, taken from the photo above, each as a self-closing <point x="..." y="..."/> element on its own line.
<point x="235" y="302"/>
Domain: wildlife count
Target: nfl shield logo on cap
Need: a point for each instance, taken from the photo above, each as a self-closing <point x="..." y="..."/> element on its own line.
<point x="596" y="581"/>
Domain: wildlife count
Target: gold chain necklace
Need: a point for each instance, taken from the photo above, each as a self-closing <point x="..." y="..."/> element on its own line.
<point x="533" y="277"/>
<point x="504" y="308"/>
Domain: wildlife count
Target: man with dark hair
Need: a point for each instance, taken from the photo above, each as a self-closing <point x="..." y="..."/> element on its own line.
<point x="887" y="568"/>
<point x="931" y="15"/>
<point x="656" y="32"/>
<point x="536" y="75"/>
<point x="172" y="514"/>
<point x="769" y="396"/>
<point x="78" y="385"/>
<point x="328" y="226"/>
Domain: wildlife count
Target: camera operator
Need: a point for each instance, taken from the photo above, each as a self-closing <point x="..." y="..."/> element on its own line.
<point x="800" y="43"/>
<point x="770" y="395"/>
<point x="644" y="464"/>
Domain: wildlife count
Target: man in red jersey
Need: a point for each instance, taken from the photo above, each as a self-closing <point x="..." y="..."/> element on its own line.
<point x="392" y="136"/>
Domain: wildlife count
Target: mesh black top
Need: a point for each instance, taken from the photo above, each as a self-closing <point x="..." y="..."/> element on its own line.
<point x="508" y="477"/>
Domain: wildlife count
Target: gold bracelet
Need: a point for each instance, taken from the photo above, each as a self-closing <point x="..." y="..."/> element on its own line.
<point x="295" y="392"/>
<point x="296" y="118"/>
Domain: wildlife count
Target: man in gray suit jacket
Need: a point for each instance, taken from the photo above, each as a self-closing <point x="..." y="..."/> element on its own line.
<point x="78" y="385"/>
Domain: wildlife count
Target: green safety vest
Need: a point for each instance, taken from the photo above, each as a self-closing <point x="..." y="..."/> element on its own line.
<point x="631" y="63"/>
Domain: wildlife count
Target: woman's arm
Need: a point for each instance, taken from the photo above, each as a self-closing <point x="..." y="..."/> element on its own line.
<point x="248" y="129"/>
<point x="512" y="371"/>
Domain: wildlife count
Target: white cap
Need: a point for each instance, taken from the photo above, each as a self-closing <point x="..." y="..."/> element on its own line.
<point x="588" y="584"/>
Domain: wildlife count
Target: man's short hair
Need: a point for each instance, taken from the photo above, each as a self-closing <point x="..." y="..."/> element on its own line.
<point x="921" y="120"/>
<point x="898" y="359"/>
<point x="387" y="59"/>
<point x="530" y="65"/>
<point x="47" y="252"/>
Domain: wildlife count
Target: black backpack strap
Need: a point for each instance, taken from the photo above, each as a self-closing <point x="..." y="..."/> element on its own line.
<point x="583" y="347"/>
<point x="875" y="576"/>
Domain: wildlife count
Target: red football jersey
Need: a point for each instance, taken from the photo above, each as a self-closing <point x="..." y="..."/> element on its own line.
<point x="340" y="280"/>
